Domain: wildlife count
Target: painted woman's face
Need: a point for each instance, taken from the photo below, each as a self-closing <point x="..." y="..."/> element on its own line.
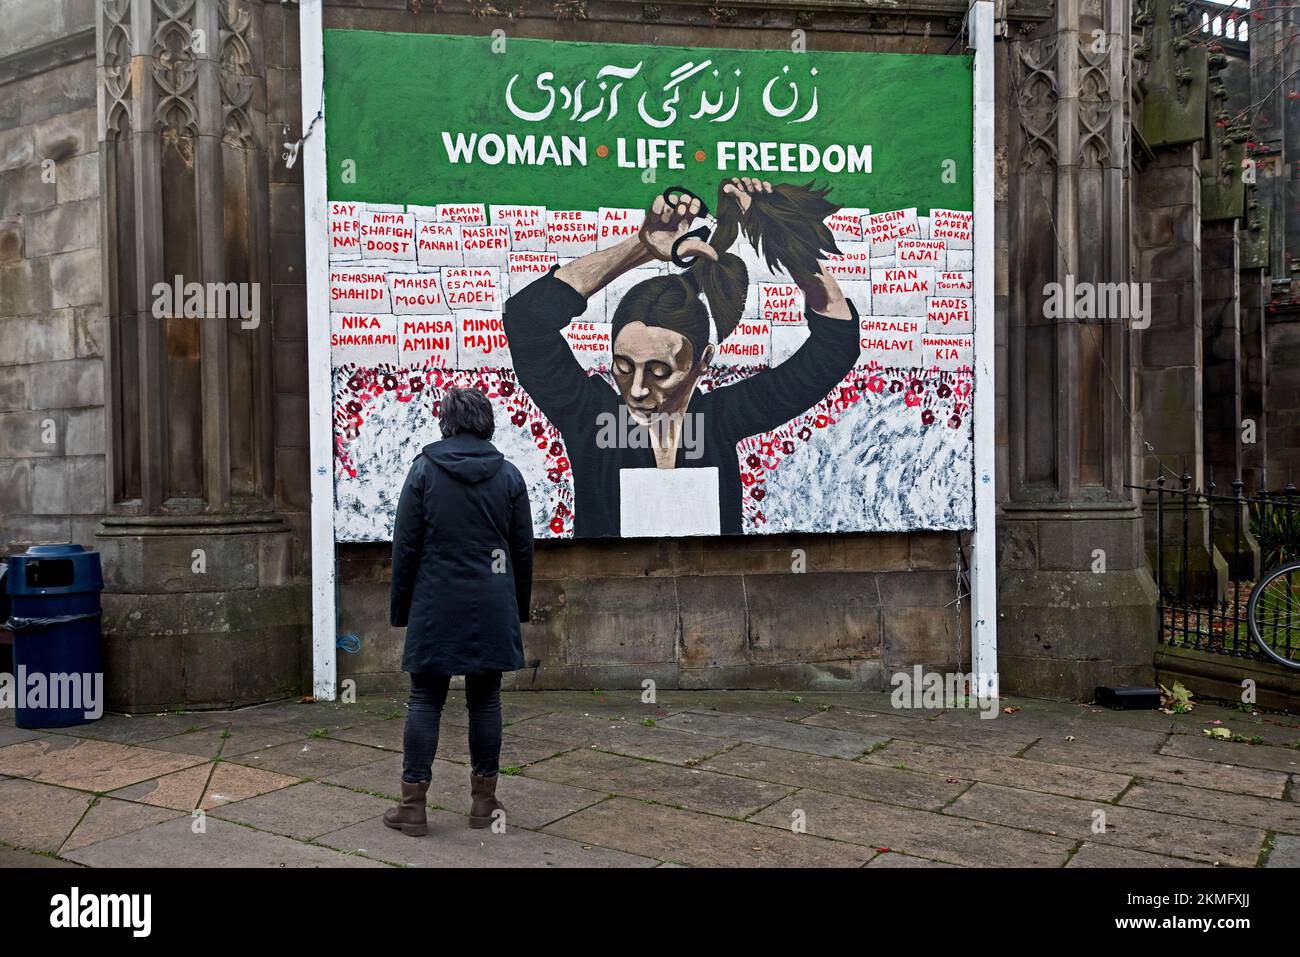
<point x="655" y="370"/>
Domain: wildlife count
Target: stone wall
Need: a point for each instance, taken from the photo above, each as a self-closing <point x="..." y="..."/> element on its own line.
<point x="1283" y="349"/>
<point x="51" y="327"/>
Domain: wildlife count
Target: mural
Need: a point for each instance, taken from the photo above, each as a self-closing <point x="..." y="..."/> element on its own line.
<point x="707" y="291"/>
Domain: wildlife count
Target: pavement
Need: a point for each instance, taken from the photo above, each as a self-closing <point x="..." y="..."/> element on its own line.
<point x="698" y="779"/>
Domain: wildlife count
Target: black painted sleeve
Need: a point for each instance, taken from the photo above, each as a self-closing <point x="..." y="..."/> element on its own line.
<point x="771" y="398"/>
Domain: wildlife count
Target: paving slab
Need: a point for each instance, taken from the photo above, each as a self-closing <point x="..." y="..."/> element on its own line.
<point x="776" y="705"/>
<point x="1160" y="767"/>
<point x="1086" y="726"/>
<point x="386" y="734"/>
<point x="222" y="844"/>
<point x="1285" y="852"/>
<point x="12" y="857"/>
<point x="968" y="764"/>
<point x="701" y="840"/>
<point x="111" y="818"/>
<point x="777" y="734"/>
<point x="451" y="842"/>
<point x="1269" y="814"/>
<point x="891" y="859"/>
<point x="39" y="817"/>
<point x="1107" y="855"/>
<point x="205" y="786"/>
<point x="135" y="729"/>
<point x="12" y="735"/>
<point x="382" y="777"/>
<point x="88" y="765"/>
<point x="1203" y="748"/>
<point x="226" y="740"/>
<point x="837" y="775"/>
<point x="1280" y="730"/>
<point x="621" y="737"/>
<point x="921" y="833"/>
<point x="690" y="788"/>
<point x="985" y="736"/>
<point x="303" y="811"/>
<point x="311" y="757"/>
<point x="581" y="767"/>
<point x="530" y="802"/>
<point x="1158" y="833"/>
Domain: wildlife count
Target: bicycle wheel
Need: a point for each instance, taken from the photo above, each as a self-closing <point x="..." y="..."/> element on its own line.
<point x="1273" y="615"/>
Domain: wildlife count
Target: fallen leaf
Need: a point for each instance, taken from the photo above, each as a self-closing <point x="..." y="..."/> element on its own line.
<point x="1011" y="709"/>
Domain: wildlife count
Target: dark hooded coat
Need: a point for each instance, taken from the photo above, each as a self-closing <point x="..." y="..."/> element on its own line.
<point x="462" y="560"/>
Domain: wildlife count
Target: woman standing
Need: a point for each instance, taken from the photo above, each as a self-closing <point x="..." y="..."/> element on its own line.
<point x="462" y="580"/>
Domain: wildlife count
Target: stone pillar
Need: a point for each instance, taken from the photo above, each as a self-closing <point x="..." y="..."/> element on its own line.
<point x="1076" y="601"/>
<point x="201" y="608"/>
<point x="1221" y="350"/>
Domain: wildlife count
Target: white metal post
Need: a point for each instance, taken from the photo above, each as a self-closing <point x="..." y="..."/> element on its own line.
<point x="984" y="594"/>
<point x="319" y="390"/>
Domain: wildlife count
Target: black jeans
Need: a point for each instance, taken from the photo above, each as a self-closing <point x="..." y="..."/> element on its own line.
<point x="420" y="740"/>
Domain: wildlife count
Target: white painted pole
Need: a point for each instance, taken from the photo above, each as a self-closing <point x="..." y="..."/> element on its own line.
<point x="320" y="398"/>
<point x="984" y="591"/>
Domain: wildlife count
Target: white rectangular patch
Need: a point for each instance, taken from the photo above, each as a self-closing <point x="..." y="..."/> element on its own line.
<point x="481" y="341"/>
<point x="472" y="287"/>
<point x="656" y="503"/>
<point x="901" y="291"/>
<point x="617" y="224"/>
<point x="359" y="289"/>
<point x="571" y="232"/>
<point x="367" y="340"/>
<point x="948" y="315"/>
<point x="387" y="236"/>
<point x="590" y="343"/>
<point x="946" y="353"/>
<point x="467" y="214"/>
<point x="781" y="303"/>
<point x="438" y="244"/>
<point x="954" y="227"/>
<point x="893" y="342"/>
<point x="417" y="294"/>
<point x="527" y="225"/>
<point x="427" y="340"/>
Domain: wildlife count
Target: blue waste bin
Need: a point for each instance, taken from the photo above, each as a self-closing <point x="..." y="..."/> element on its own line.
<point x="53" y="593"/>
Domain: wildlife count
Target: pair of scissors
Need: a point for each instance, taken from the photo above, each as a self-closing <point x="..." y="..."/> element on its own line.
<point x="684" y="195"/>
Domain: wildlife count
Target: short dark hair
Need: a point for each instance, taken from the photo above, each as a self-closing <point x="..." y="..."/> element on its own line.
<point x="466" y="410"/>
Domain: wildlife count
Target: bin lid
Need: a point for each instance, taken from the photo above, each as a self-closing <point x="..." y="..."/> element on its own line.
<point x="81" y="573"/>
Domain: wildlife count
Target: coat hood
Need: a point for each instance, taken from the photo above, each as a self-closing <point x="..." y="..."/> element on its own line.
<point x="468" y="458"/>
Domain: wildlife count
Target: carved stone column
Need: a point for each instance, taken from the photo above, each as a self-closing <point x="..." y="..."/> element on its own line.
<point x="201" y="609"/>
<point x="1076" y="601"/>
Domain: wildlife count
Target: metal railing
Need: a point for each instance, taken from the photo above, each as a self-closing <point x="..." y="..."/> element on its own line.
<point x="1200" y="606"/>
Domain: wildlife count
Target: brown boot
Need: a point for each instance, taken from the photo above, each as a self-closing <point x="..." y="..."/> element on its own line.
<point x="484" y="792"/>
<point x="409" y="816"/>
